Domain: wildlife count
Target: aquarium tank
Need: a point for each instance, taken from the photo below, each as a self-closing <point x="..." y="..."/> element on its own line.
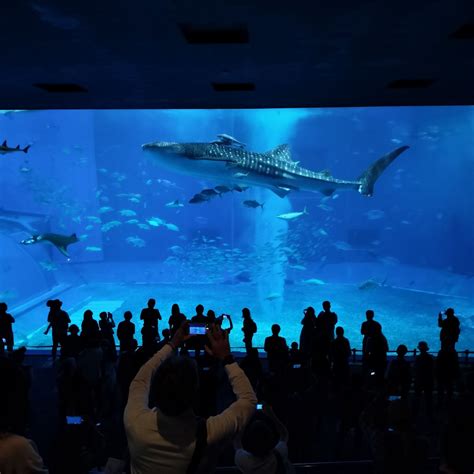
<point x="274" y="210"/>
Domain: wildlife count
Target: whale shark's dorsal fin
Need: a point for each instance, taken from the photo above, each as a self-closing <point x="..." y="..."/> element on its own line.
<point x="281" y="152"/>
<point x="4" y="143"/>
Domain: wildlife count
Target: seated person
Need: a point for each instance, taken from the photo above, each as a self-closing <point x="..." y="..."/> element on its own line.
<point x="263" y="445"/>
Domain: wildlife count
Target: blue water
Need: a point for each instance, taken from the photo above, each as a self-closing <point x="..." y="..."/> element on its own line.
<point x="406" y="252"/>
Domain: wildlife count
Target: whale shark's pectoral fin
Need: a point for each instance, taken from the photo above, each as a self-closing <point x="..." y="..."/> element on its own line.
<point x="280" y="191"/>
<point x="63" y="250"/>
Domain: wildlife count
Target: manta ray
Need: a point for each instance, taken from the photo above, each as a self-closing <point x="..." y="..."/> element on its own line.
<point x="227" y="158"/>
<point x="61" y="242"/>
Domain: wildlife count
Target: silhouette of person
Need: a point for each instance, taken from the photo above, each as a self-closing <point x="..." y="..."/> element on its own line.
<point x="277" y="350"/>
<point x="197" y="342"/>
<point x="447" y="370"/>
<point x="399" y="374"/>
<point x="150" y="317"/>
<point x="424" y="378"/>
<point x="176" y="319"/>
<point x="6" y="330"/>
<point x="126" y="331"/>
<point x="106" y="325"/>
<point x="450" y="329"/>
<point x="295" y="354"/>
<point x="308" y="331"/>
<point x="58" y="321"/>
<point x="340" y="355"/>
<point x="211" y="316"/>
<point x="249" y="328"/>
<point x="164" y="340"/>
<point x="377" y="348"/>
<point x="89" y="327"/>
<point x="367" y="330"/>
<point x="71" y="345"/>
<point x="326" y="324"/>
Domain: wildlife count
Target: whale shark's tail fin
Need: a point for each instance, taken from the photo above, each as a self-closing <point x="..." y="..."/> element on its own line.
<point x="371" y="174"/>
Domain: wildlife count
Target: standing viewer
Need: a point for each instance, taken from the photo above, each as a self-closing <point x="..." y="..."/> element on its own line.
<point x="450" y="329"/>
<point x="58" y="321"/>
<point x="326" y="324"/>
<point x="6" y="330"/>
<point x="249" y="328"/>
<point x="126" y="331"/>
<point x="150" y="316"/>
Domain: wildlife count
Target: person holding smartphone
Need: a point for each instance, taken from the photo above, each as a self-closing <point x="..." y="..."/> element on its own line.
<point x="450" y="329"/>
<point x="168" y="438"/>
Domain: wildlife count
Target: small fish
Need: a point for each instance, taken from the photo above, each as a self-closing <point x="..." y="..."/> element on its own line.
<point x="396" y="141"/>
<point x="94" y="219"/>
<point x="143" y="226"/>
<point x="322" y="232"/>
<point x="25" y="169"/>
<point x="176" y="249"/>
<point x="89" y="227"/>
<point x="93" y="249"/>
<point x="104" y="209"/>
<point x="172" y="227"/>
<point x="325" y="208"/>
<point x="273" y="296"/>
<point x="136" y="241"/>
<point x="405" y="222"/>
<point x="297" y="267"/>
<point x="291" y="216"/>
<point x="155" y="221"/>
<point x="174" y="204"/>
<point x="240" y="189"/>
<point x="252" y="204"/>
<point x="127" y="213"/>
<point x="341" y="245"/>
<point x="240" y="175"/>
<point x="222" y="189"/>
<point x="375" y="214"/>
<point x="135" y="200"/>
<point x="132" y="221"/>
<point x="209" y="192"/>
<point x="314" y="281"/>
<point x="110" y="225"/>
<point x="198" y="198"/>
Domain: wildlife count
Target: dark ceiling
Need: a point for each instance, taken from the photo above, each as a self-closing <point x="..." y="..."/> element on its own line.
<point x="235" y="53"/>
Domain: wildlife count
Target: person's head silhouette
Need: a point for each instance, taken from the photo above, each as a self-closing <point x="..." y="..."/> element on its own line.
<point x="73" y="329"/>
<point x="327" y="306"/>
<point x="369" y="314"/>
<point x="402" y="350"/>
<point x="175" y="309"/>
<point x="3" y="307"/>
<point x="294" y="346"/>
<point x="423" y="346"/>
<point x="245" y="313"/>
<point x="211" y="315"/>
<point x="339" y="331"/>
<point x="103" y="315"/>
<point x="449" y="312"/>
<point x="151" y="303"/>
<point x="276" y="329"/>
<point x="88" y="314"/>
<point x="309" y="311"/>
<point x="166" y="334"/>
<point x="127" y="315"/>
<point x="199" y="309"/>
<point x="259" y="437"/>
<point x="176" y="385"/>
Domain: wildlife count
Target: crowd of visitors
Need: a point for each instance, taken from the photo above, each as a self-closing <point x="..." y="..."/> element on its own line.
<point x="181" y="402"/>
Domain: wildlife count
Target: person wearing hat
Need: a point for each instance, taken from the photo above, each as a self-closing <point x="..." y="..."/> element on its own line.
<point x="58" y="321"/>
<point x="424" y="378"/>
<point x="450" y="329"/>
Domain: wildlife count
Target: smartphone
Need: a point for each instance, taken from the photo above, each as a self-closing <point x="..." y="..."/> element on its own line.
<point x="297" y="366"/>
<point x="74" y="420"/>
<point x="197" y="329"/>
<point x="392" y="398"/>
<point x="372" y="373"/>
<point x="259" y="406"/>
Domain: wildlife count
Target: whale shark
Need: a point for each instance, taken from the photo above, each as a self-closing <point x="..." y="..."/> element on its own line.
<point x="61" y="242"/>
<point x="222" y="160"/>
